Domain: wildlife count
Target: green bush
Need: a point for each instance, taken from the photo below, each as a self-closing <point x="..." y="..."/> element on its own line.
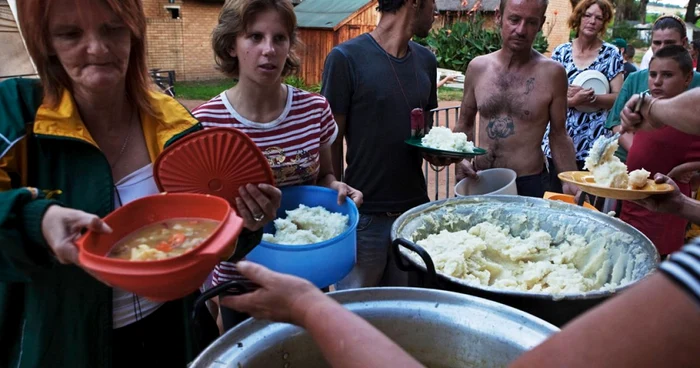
<point x="295" y="81"/>
<point x="624" y="30"/>
<point x="637" y="43"/>
<point x="541" y="44"/>
<point x="628" y="33"/>
<point x="457" y="45"/>
<point x="651" y="18"/>
<point x="298" y="82"/>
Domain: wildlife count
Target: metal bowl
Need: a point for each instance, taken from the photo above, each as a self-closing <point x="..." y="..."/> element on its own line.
<point x="633" y="252"/>
<point x="440" y="329"/>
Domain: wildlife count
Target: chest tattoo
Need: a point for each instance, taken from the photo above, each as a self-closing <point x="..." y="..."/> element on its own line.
<point x="500" y="127"/>
<point x="529" y="85"/>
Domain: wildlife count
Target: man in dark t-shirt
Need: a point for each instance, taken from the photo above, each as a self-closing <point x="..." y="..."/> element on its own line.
<point x="373" y="83"/>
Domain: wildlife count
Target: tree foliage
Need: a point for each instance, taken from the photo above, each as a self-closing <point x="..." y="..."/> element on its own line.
<point x="457" y="45"/>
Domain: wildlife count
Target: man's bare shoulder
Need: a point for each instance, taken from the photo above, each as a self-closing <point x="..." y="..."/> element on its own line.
<point x="548" y="65"/>
<point x="480" y="63"/>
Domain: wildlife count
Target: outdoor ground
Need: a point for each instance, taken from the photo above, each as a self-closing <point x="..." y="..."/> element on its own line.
<point x="194" y="94"/>
<point x="204" y="90"/>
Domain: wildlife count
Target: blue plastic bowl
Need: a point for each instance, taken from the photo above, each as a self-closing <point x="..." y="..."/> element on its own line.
<point x="324" y="263"/>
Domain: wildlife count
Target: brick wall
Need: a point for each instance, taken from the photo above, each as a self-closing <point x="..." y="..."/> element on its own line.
<point x="558" y="13"/>
<point x="165" y="45"/>
<point x="199" y="20"/>
<point x="184" y="44"/>
<point x="156" y="8"/>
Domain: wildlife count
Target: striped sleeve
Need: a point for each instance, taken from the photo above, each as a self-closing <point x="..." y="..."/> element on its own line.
<point x="683" y="268"/>
<point x="225" y="272"/>
<point x="329" y="128"/>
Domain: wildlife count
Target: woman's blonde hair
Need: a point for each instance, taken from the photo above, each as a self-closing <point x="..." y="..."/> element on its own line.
<point x="235" y="18"/>
<point x="580" y="10"/>
<point x="34" y="22"/>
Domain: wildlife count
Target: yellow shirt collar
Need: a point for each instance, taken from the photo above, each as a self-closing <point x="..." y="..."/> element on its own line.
<point x="170" y="118"/>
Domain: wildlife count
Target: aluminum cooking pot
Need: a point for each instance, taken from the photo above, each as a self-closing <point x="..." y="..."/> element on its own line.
<point x="633" y="253"/>
<point x="440" y="329"/>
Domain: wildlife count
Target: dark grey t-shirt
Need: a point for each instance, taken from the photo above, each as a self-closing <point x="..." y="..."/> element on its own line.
<point x="359" y="82"/>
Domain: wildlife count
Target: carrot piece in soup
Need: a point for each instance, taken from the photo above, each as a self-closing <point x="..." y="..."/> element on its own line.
<point x="177" y="239"/>
<point x="164" y="247"/>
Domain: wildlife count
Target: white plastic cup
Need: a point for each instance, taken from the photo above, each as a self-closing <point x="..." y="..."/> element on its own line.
<point x="497" y="181"/>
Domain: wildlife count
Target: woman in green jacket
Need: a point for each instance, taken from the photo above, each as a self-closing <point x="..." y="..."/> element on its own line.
<point x="85" y="136"/>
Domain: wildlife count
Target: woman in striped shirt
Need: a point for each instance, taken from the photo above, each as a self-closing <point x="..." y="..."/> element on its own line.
<point x="254" y="43"/>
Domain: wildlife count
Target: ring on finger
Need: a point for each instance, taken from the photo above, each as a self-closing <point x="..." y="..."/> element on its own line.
<point x="259" y="217"/>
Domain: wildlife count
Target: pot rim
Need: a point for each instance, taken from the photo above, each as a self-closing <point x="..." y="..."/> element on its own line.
<point x="359" y="301"/>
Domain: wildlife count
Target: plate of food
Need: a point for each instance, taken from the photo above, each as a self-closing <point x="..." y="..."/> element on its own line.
<point x="442" y="142"/>
<point x="587" y="183"/>
<point x="607" y="176"/>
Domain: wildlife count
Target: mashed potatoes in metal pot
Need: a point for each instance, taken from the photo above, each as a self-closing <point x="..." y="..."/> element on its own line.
<point x="517" y="247"/>
<point x="489" y="255"/>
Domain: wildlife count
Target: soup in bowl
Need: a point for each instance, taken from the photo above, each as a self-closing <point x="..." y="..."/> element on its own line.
<point x="142" y="256"/>
<point x="164" y="239"/>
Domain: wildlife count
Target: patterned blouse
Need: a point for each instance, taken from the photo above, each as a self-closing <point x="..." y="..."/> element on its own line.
<point x="584" y="128"/>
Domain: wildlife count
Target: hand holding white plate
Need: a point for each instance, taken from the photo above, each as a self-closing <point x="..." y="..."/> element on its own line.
<point x="591" y="79"/>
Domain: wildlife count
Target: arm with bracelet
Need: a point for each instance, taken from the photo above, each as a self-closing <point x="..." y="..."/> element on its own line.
<point x="680" y="112"/>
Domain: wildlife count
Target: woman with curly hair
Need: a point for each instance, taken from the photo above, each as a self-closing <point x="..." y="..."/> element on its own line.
<point x="588" y="52"/>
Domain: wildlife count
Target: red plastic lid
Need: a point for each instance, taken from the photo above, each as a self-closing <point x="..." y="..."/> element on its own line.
<point x="214" y="161"/>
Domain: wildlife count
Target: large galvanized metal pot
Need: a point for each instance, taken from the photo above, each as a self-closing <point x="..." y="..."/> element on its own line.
<point x="440" y="329"/>
<point x="634" y="252"/>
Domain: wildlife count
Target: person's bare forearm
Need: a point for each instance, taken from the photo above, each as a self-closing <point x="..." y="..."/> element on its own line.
<point x="468" y="108"/>
<point x="337" y="156"/>
<point x="466" y="124"/>
<point x="326" y="180"/>
<point x="653" y="324"/>
<point x="560" y="144"/>
<point x="625" y="139"/>
<point x="348" y="341"/>
<point x="681" y="112"/>
<point x="605" y="102"/>
<point x="690" y="210"/>
<point x="563" y="152"/>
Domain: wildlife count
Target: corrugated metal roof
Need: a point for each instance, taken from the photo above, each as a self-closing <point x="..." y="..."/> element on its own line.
<point x="326" y="13"/>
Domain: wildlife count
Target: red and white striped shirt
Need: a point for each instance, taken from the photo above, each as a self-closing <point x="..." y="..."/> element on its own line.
<point x="291" y="143"/>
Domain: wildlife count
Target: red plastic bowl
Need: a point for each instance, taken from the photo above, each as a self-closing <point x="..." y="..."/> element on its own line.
<point x="170" y="278"/>
<point x="215" y="161"/>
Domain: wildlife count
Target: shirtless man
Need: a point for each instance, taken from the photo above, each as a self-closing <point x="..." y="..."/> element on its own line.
<point x="517" y="92"/>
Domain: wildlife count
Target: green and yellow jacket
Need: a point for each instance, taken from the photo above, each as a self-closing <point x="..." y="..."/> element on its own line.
<point x="54" y="315"/>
